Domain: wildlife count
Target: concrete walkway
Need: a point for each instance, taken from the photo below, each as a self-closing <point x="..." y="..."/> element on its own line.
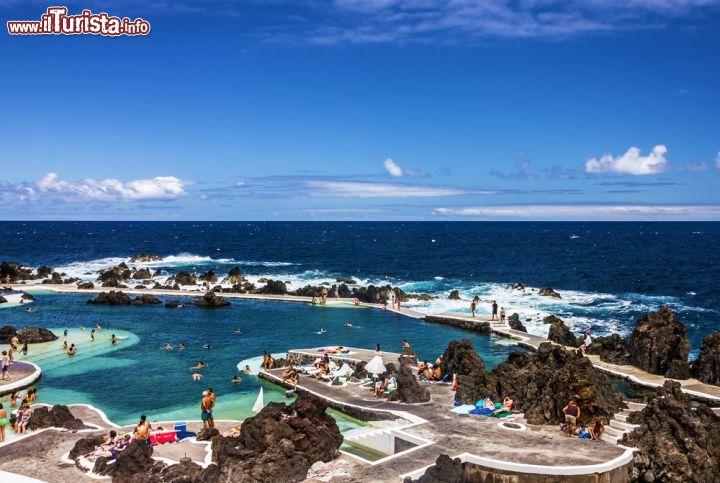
<point x="23" y="374"/>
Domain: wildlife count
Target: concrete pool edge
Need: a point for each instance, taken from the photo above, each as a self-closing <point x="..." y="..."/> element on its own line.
<point x="23" y="383"/>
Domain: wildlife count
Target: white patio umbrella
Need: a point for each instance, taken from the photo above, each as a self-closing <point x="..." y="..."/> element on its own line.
<point x="375" y="366"/>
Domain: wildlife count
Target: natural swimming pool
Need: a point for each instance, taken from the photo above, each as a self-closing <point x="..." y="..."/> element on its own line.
<point x="137" y="376"/>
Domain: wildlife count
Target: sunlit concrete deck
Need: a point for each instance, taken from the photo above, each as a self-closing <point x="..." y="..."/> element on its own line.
<point x="451" y="433"/>
<point x="23" y="374"/>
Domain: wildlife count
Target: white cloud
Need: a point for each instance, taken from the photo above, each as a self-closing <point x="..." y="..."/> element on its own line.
<point x="631" y="162"/>
<point x="586" y="212"/>
<point x="108" y="190"/>
<point x="392" y="168"/>
<point x="364" y="189"/>
<point x="717" y="160"/>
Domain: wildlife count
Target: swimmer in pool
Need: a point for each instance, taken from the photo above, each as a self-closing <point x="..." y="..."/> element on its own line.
<point x="197" y="376"/>
<point x="65" y="346"/>
<point x="238" y="331"/>
<point x="247" y="370"/>
<point x="71" y="350"/>
<point x="207" y="346"/>
<point x="113" y="339"/>
<point x="348" y="324"/>
<point x="236" y="379"/>
<point x="181" y="346"/>
<point x="168" y="347"/>
<point x="200" y="365"/>
<point x="92" y="335"/>
<point x="322" y="331"/>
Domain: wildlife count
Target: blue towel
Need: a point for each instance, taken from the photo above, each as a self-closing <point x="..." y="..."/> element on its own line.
<point x="458" y="403"/>
<point x="482" y="411"/>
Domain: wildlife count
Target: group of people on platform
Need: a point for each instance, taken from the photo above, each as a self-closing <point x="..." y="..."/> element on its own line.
<point x="570" y="428"/>
<point x="494" y="306"/>
<point x="20" y="419"/>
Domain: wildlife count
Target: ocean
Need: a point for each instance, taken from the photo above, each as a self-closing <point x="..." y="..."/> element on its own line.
<point x="608" y="274"/>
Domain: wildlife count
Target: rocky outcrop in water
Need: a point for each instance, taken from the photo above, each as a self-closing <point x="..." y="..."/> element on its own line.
<point x="454" y="295"/>
<point x="279" y="444"/>
<point x="142" y="274"/>
<point x="86" y="286"/>
<point x="3" y="300"/>
<point x="172" y="304"/>
<point x="16" y="272"/>
<point x="7" y="332"/>
<point x="144" y="258"/>
<point x="610" y="349"/>
<point x="121" y="298"/>
<point x="145" y="299"/>
<point x="56" y="417"/>
<point x="348" y="281"/>
<point x="659" y="345"/>
<point x="543" y="382"/>
<point x="409" y="389"/>
<point x="36" y="335"/>
<point x="677" y="443"/>
<point x="473" y="381"/>
<point x="273" y="287"/>
<point x="27" y="297"/>
<point x="549" y="292"/>
<point x="445" y="470"/>
<point x="559" y="332"/>
<point x="211" y="300"/>
<point x="515" y="323"/>
<point x="183" y="278"/>
<point x="209" y="277"/>
<point x="707" y="366"/>
<point x="234" y="277"/>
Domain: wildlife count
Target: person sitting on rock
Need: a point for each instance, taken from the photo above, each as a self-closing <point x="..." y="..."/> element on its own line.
<point x="596" y="430"/>
<point x="380" y="386"/>
<point x="506" y="406"/>
<point x="572" y="413"/>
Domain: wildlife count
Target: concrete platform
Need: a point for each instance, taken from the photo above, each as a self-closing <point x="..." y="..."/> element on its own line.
<point x="23" y="374"/>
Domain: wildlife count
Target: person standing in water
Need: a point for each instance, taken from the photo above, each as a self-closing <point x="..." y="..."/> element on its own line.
<point x="113" y="340"/>
<point x="494" y="310"/>
<point x="25" y="349"/>
<point x="3" y="422"/>
<point x="473" y="305"/>
<point x="92" y="335"/>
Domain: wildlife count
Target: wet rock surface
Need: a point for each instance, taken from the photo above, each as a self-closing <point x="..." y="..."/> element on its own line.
<point x="659" y="344"/>
<point x="454" y="295"/>
<point x="707" y="366"/>
<point x="36" y="335"/>
<point x="543" y="382"/>
<point x="7" y="332"/>
<point x="111" y="298"/>
<point x="86" y="286"/>
<point x="273" y="287"/>
<point x="549" y="292"/>
<point x="610" y="349"/>
<point x="677" y="443"/>
<point x="144" y="258"/>
<point x="211" y="300"/>
<point x="515" y="323"/>
<point x="559" y="332"/>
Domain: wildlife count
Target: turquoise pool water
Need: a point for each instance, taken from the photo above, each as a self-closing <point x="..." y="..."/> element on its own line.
<point x="137" y="376"/>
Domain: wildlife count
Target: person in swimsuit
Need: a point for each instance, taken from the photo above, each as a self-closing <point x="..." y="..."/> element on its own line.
<point x="168" y="347"/>
<point x="65" y="332"/>
<point x="14" y="342"/>
<point x="506" y="406"/>
<point x="98" y="327"/>
<point x="113" y="339"/>
<point x="200" y="365"/>
<point x="206" y="406"/>
<point x="247" y="370"/>
<point x="5" y="366"/>
<point x="473" y="306"/>
<point x="64" y="346"/>
<point x="502" y="314"/>
<point x="92" y="335"/>
<point x="3" y="422"/>
<point x="23" y="419"/>
<point x="494" y="310"/>
<point x="236" y="379"/>
<point x="25" y="349"/>
<point x="142" y="431"/>
<point x="71" y="351"/>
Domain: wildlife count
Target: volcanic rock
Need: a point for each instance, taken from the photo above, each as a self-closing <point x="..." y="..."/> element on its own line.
<point x="183" y="278"/>
<point x="308" y="291"/>
<point x="454" y="295"/>
<point x="7" y="332"/>
<point x="348" y="281"/>
<point x="143" y="258"/>
<point x="111" y="298"/>
<point x="172" y="304"/>
<point x="409" y="389"/>
<point x="279" y="444"/>
<point x="43" y="271"/>
<point x="610" y="348"/>
<point x="3" y="300"/>
<point x="56" y="417"/>
<point x="56" y="278"/>
<point x="86" y="286"/>
<point x="273" y="287"/>
<point x="142" y="274"/>
<point x="559" y="332"/>
<point x="473" y="381"/>
<point x="657" y="340"/>
<point x="27" y="296"/>
<point x="15" y="271"/>
<point x="445" y="470"/>
<point x="707" y="366"/>
<point x="421" y="296"/>
<point x="543" y="382"/>
<point x="515" y="323"/>
<point x="145" y="299"/>
<point x="135" y="463"/>
<point x="234" y="276"/>
<point x="206" y="434"/>
<point x="342" y="291"/>
<point x="36" y="335"/>
<point x="516" y="286"/>
<point x="85" y="446"/>
<point x="548" y="292"/>
<point x="208" y="277"/>
<point x="210" y="300"/>
<point x="677" y="443"/>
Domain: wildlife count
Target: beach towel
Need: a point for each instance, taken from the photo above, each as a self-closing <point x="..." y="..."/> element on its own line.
<point x="463" y="409"/>
<point x="482" y="411"/>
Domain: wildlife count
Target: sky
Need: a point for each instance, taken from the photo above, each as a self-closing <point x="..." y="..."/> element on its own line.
<point x="365" y="110"/>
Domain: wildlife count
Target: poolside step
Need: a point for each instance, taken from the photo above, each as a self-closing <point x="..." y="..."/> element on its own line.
<point x="621" y="416"/>
<point x="622" y="425"/>
<point x="609" y="430"/>
<point x="633" y="406"/>
<point x="610" y="438"/>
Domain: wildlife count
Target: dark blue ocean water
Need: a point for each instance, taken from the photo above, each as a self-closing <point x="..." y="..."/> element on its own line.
<point x="612" y="271"/>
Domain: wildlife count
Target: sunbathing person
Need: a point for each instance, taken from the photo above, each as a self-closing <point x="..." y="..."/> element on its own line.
<point x="422" y="367"/>
<point x="488" y="403"/>
<point x="427" y="374"/>
<point x="437" y="374"/>
<point x="290" y="376"/>
<point x="506" y="407"/>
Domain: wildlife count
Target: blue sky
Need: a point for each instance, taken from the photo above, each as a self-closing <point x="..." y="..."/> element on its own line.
<point x="366" y="110"/>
